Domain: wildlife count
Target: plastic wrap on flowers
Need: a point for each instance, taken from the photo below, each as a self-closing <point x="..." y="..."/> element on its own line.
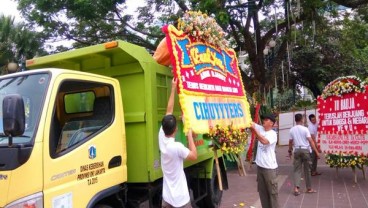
<point x="162" y="55"/>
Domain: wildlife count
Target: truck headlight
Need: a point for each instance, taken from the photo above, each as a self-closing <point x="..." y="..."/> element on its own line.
<point x="31" y="201"/>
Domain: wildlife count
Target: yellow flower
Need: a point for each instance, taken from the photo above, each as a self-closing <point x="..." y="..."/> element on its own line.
<point x="228" y="139"/>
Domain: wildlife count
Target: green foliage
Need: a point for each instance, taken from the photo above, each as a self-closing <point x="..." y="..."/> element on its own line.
<point x="265" y="110"/>
<point x="334" y="51"/>
<point x="17" y="42"/>
<point x="286" y="100"/>
<point x="89" y="22"/>
<point x="305" y="104"/>
<point x="5" y="34"/>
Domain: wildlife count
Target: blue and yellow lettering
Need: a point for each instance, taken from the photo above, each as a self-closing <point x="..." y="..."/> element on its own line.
<point x="205" y="111"/>
<point x="221" y="105"/>
<point x="236" y="110"/>
<point x="183" y="47"/>
<point x="196" y="106"/>
<point x="228" y="60"/>
<point x="226" y="105"/>
<point x="202" y="111"/>
<point x="232" y="110"/>
<point x="216" y="106"/>
<point x="241" y="114"/>
<point x="212" y="110"/>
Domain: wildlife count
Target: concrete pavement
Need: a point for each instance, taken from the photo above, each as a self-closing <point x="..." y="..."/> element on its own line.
<point x="333" y="190"/>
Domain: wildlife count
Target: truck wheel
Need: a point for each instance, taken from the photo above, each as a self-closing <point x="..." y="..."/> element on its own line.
<point x="213" y="199"/>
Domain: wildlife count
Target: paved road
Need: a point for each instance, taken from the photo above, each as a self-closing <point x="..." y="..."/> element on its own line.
<point x="334" y="190"/>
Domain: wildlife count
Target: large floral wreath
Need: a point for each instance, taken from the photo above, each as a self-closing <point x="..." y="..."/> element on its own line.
<point x="338" y="87"/>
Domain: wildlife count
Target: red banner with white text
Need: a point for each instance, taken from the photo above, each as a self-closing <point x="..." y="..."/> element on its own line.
<point x="343" y="123"/>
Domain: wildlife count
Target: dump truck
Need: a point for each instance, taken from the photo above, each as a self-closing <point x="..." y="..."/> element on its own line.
<point x="80" y="129"/>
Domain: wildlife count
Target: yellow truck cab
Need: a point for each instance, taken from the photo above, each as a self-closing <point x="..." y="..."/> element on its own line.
<point x="80" y="129"/>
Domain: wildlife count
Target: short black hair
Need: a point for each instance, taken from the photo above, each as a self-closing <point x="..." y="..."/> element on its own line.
<point x="298" y="117"/>
<point x="311" y="116"/>
<point x="269" y="116"/>
<point x="168" y="124"/>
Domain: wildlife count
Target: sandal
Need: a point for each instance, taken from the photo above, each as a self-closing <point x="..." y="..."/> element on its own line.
<point x="296" y="191"/>
<point x="311" y="191"/>
<point x="316" y="174"/>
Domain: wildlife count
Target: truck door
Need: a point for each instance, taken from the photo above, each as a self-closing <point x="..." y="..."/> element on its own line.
<point x="84" y="154"/>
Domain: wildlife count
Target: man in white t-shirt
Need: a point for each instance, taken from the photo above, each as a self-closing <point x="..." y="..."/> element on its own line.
<point x="312" y="127"/>
<point x="266" y="162"/>
<point x="301" y="142"/>
<point x="175" y="191"/>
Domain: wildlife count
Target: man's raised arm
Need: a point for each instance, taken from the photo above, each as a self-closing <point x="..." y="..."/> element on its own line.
<point x="170" y="103"/>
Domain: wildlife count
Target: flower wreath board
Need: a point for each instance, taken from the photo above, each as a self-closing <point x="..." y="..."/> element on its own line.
<point x="210" y="89"/>
<point x="343" y="123"/>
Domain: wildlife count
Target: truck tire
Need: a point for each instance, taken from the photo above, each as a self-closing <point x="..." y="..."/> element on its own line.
<point x="213" y="199"/>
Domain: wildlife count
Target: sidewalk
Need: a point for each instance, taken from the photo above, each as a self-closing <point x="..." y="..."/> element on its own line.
<point x="333" y="191"/>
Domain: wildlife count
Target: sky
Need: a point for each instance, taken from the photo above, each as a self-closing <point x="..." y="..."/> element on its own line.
<point x="9" y="7"/>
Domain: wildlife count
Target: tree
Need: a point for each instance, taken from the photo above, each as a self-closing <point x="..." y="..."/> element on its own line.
<point x="17" y="43"/>
<point x="6" y="24"/>
<point x="89" y="22"/>
<point x="351" y="3"/>
<point x="335" y="51"/>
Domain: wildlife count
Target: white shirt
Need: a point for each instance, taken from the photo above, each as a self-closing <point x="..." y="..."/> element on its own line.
<point x="299" y="135"/>
<point x="175" y="187"/>
<point x="266" y="156"/>
<point x="313" y="129"/>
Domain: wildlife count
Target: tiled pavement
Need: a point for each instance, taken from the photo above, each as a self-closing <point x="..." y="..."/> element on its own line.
<point x="333" y="191"/>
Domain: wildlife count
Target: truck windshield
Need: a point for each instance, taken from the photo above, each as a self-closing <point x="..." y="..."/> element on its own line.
<point x="32" y="88"/>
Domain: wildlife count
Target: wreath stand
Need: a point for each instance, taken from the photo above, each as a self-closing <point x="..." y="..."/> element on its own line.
<point x="354" y="173"/>
<point x="219" y="177"/>
<point x="241" y="169"/>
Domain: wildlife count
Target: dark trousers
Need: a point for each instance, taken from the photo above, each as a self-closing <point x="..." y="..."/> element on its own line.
<point x="268" y="187"/>
<point x="314" y="161"/>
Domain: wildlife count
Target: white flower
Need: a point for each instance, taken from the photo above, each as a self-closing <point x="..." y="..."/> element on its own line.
<point x="203" y="27"/>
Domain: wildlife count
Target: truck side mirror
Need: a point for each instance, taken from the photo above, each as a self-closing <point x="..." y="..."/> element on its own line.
<point x="13" y="116"/>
